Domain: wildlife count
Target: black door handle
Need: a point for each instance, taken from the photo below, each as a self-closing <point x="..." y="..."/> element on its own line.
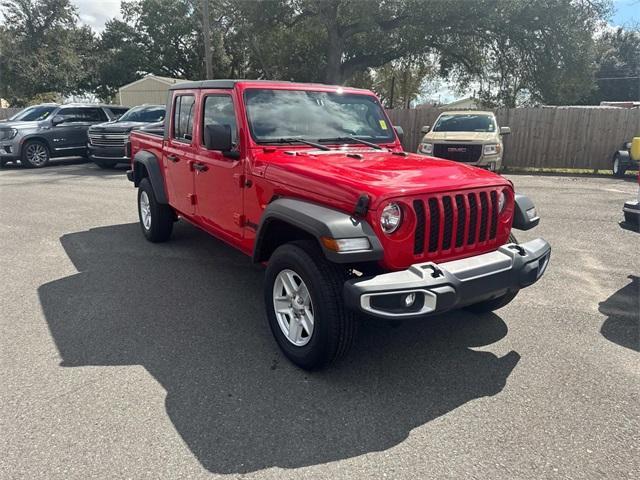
<point x="173" y="158"/>
<point x="201" y="167"/>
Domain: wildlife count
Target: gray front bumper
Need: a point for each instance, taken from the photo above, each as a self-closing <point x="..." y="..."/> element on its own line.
<point x="450" y="285"/>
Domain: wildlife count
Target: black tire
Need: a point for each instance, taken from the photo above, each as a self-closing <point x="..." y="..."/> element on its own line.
<point x="498" y="302"/>
<point x="632" y="219"/>
<point x="618" y="167"/>
<point x="2" y="163"/>
<point x="35" y="154"/>
<point x="334" y="326"/>
<point x="106" y="164"/>
<point x="161" y="219"/>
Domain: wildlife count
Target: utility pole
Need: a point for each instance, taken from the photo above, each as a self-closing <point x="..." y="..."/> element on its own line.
<point x="207" y="38"/>
<point x="393" y="87"/>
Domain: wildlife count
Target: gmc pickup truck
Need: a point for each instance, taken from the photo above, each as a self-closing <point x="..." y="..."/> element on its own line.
<point x="311" y="181"/>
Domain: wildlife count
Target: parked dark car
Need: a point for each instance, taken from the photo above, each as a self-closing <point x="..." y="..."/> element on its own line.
<point x="38" y="133"/>
<point x="107" y="141"/>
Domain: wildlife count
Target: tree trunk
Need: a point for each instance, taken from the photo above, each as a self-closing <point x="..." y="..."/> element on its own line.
<point x="333" y="74"/>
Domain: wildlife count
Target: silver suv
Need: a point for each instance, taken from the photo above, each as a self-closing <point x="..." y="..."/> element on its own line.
<point x="38" y="133"/>
<point x="468" y="136"/>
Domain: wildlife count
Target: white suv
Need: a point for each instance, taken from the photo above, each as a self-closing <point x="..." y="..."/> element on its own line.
<point x="468" y="136"/>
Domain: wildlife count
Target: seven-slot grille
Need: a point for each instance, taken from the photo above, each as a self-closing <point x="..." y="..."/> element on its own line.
<point x="455" y="221"/>
<point x="108" y="139"/>
<point x="459" y="152"/>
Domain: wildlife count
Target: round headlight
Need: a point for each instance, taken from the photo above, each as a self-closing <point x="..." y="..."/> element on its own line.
<point x="502" y="200"/>
<point x="391" y="218"/>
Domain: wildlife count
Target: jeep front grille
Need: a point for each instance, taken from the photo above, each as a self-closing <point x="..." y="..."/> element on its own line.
<point x="448" y="222"/>
<point x="108" y="139"/>
<point x="460" y="152"/>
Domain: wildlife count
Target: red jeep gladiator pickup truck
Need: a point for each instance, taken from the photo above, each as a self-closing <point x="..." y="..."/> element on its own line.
<point x="312" y="181"/>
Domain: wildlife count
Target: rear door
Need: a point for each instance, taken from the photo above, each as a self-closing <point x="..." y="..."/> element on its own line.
<point x="219" y="180"/>
<point x="177" y="155"/>
<point x="71" y="135"/>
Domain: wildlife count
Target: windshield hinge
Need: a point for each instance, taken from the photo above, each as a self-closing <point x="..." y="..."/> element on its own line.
<point x="362" y="206"/>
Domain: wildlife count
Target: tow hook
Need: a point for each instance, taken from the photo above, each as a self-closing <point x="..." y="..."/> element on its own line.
<point x="518" y="249"/>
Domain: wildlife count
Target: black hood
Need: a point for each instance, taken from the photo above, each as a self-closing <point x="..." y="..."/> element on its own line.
<point x="116" y="127"/>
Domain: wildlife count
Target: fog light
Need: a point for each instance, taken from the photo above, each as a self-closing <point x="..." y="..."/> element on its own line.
<point x="409" y="299"/>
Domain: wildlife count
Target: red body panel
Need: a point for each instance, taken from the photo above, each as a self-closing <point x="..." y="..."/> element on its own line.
<point x="228" y="199"/>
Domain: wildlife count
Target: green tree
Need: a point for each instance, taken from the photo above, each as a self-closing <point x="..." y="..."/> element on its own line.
<point x="44" y="50"/>
<point x="617" y="77"/>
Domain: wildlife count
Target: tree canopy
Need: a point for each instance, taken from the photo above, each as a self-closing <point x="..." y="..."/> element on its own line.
<point x="510" y="52"/>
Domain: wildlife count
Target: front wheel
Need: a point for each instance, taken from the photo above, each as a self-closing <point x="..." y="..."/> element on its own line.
<point x="156" y="219"/>
<point x="305" y="310"/>
<point x="35" y="154"/>
<point x="618" y="167"/>
<point x="498" y="302"/>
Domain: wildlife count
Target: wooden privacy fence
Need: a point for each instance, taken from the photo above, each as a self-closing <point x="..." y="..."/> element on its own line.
<point x="7" y="112"/>
<point x="552" y="137"/>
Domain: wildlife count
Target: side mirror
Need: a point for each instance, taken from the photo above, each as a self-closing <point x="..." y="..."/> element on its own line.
<point x="505" y="131"/>
<point x="57" y="120"/>
<point x="399" y="132"/>
<point x="425" y="129"/>
<point x="218" y="137"/>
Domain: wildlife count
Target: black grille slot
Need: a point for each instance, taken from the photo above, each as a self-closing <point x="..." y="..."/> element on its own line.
<point x="473" y="218"/>
<point x="418" y="246"/>
<point x="448" y="223"/>
<point x="434" y="224"/>
<point x="458" y="152"/>
<point x="484" y="207"/>
<point x="494" y="214"/>
<point x="462" y="218"/>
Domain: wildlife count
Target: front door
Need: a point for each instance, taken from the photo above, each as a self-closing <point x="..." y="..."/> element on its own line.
<point x="178" y="154"/>
<point x="219" y="180"/>
<point x="70" y="136"/>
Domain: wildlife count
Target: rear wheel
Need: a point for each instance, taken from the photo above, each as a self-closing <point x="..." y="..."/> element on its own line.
<point x="156" y="219"/>
<point x="618" y="166"/>
<point x="305" y="310"/>
<point x="498" y="302"/>
<point x="35" y="154"/>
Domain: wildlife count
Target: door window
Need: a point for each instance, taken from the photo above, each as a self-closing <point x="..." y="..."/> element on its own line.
<point x="218" y="110"/>
<point x="183" y="118"/>
<point x="82" y="115"/>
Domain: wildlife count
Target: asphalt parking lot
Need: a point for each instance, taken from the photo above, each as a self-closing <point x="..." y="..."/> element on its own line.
<point x="125" y="359"/>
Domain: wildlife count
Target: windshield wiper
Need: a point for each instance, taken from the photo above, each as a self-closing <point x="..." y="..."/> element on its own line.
<point x="355" y="139"/>
<point x="296" y="140"/>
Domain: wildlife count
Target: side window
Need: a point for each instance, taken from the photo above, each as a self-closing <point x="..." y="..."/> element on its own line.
<point x="95" y="115"/>
<point x="117" y="112"/>
<point x="183" y="117"/>
<point x="218" y="109"/>
<point x="71" y="115"/>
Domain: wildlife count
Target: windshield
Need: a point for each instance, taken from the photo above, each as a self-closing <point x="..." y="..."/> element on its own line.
<point x="465" y="123"/>
<point x="32" y="114"/>
<point x="297" y="114"/>
<point x="149" y="114"/>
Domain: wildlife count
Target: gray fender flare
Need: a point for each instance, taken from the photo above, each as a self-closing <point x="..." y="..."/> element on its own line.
<point x="521" y="220"/>
<point x="152" y="165"/>
<point x="318" y="221"/>
<point x="39" y="137"/>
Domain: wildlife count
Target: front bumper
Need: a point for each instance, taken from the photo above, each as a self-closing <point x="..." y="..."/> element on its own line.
<point x="438" y="288"/>
<point x="108" y="153"/>
<point x="9" y="149"/>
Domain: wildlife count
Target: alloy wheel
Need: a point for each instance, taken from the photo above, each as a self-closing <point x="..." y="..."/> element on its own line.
<point x="293" y="307"/>
<point x="37" y="154"/>
<point x="145" y="210"/>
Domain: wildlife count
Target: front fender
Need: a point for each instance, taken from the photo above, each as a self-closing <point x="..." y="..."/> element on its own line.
<point x="318" y="221"/>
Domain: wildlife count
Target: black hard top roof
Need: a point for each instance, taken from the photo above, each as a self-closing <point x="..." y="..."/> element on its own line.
<point x="226" y="84"/>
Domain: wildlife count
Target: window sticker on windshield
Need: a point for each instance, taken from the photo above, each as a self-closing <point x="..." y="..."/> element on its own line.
<point x="383" y="124"/>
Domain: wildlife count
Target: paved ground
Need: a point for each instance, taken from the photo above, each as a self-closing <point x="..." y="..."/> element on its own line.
<point x="123" y="359"/>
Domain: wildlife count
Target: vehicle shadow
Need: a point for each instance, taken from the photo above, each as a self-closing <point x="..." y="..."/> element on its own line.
<point x="623" y="311"/>
<point x="75" y="166"/>
<point x="190" y="311"/>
